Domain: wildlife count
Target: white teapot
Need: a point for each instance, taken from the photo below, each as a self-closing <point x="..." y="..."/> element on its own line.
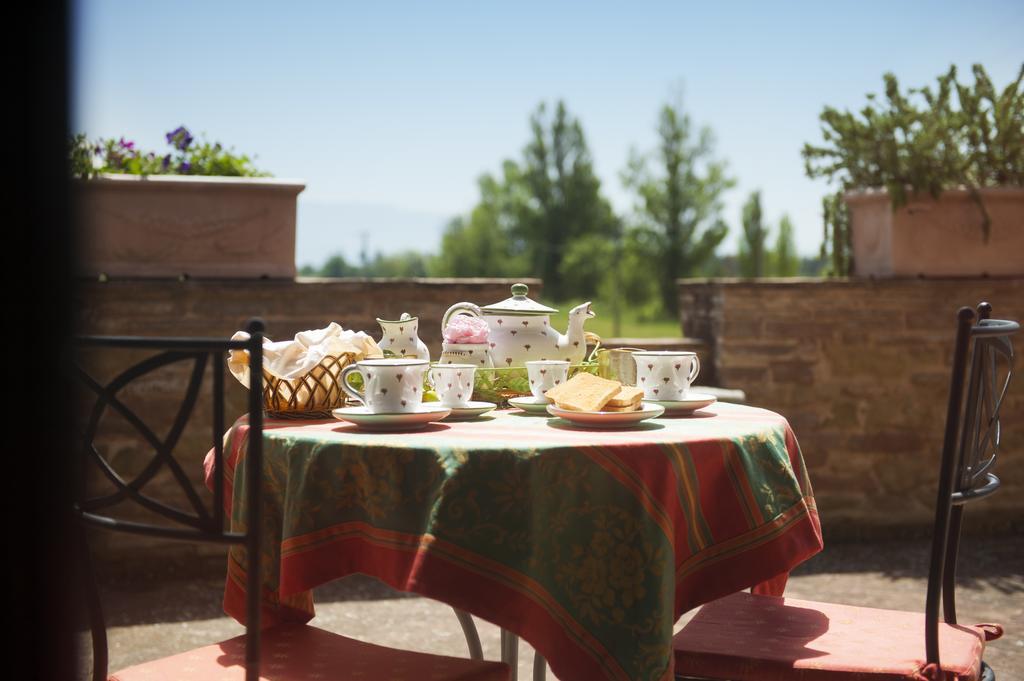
<point x="520" y="330"/>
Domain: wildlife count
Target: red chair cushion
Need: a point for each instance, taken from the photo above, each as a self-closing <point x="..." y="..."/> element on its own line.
<point x="300" y="652"/>
<point x="746" y="637"/>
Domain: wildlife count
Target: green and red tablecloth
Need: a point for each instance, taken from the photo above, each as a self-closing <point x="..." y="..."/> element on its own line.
<point x="589" y="544"/>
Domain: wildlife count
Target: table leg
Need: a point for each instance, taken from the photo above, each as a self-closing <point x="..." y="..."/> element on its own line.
<point x="509" y="647"/>
<point x="476" y="651"/>
<point x="510" y="652"/>
<point x="539" y="667"/>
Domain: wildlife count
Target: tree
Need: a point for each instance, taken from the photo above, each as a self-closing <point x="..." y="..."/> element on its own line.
<point x="565" y="207"/>
<point x="401" y="264"/>
<point x="680" y="205"/>
<point x="542" y="213"/>
<point x="335" y="266"/>
<point x="783" y="260"/>
<point x="751" y="253"/>
<point x="836" y="243"/>
<point x="404" y="264"/>
<point x="484" y="243"/>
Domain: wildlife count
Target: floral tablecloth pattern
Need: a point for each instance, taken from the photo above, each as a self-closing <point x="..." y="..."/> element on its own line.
<point x="589" y="544"/>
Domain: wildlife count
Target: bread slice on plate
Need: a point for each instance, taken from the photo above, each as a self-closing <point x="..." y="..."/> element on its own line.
<point x="628" y="396"/>
<point x="584" y="392"/>
<point x="630" y="407"/>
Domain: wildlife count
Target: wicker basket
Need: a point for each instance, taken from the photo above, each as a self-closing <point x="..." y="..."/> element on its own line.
<point x="311" y="396"/>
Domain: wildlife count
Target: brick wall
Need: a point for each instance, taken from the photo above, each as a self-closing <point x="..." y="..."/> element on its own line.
<point x="861" y="370"/>
<point x="218" y="308"/>
<point x="221" y="307"/>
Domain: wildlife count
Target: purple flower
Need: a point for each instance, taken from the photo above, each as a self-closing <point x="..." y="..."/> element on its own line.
<point x="166" y="162"/>
<point x="180" y="137"/>
<point x="184" y="167"/>
<point x="126" y="145"/>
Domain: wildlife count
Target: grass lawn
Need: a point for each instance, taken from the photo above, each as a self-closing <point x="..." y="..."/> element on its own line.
<point x="630" y="326"/>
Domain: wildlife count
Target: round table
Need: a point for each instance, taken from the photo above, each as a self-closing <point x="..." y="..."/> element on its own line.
<point x="587" y="543"/>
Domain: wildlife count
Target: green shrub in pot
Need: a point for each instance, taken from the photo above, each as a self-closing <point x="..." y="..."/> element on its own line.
<point x="921" y="141"/>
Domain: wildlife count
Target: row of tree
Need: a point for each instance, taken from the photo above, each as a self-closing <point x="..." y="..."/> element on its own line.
<point x="545" y="215"/>
<point x="754" y="258"/>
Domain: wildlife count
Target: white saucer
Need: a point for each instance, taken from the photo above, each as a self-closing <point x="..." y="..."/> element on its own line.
<point x="530" y="404"/>
<point x="608" y="419"/>
<point x="470" y="411"/>
<point x="692" y="403"/>
<point x="364" y="418"/>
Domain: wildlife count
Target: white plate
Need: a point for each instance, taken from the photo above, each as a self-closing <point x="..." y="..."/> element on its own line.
<point x="364" y="418"/>
<point x="470" y="411"/>
<point x="530" y="404"/>
<point x="692" y="403"/>
<point x="608" y="419"/>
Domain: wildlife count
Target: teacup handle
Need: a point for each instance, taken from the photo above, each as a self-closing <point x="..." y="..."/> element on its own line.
<point x="694" y="369"/>
<point x="348" y="389"/>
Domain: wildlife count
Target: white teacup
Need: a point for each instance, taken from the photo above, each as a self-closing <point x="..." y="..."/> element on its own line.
<point x="545" y="374"/>
<point x="390" y="386"/>
<point x="453" y="383"/>
<point x="666" y="374"/>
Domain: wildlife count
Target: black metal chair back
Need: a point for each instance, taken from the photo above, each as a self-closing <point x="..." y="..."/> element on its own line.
<point x="197" y="523"/>
<point x="982" y="366"/>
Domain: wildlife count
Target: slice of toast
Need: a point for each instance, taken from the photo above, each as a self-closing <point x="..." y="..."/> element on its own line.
<point x="626" y="397"/>
<point x="583" y="392"/>
<point x="632" y="407"/>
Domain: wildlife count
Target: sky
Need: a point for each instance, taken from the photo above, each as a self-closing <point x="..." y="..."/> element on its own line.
<point x="389" y="112"/>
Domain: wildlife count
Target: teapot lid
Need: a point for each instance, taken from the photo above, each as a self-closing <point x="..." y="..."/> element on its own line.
<point x="518" y="304"/>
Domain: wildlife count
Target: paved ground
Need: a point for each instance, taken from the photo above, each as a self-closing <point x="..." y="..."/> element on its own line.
<point x="153" y="619"/>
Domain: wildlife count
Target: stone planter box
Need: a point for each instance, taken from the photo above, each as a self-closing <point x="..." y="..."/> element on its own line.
<point x="203" y="227"/>
<point x="937" y="237"/>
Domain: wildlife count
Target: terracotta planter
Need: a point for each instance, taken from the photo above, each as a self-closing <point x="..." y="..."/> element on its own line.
<point x="166" y="226"/>
<point x="940" y="237"/>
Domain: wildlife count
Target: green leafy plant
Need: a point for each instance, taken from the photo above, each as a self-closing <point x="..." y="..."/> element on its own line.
<point x="923" y="141"/>
<point x="80" y="157"/>
<point x="500" y="383"/>
<point x="186" y="157"/>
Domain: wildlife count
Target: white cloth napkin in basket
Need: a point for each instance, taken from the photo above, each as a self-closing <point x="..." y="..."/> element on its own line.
<point x="294" y="358"/>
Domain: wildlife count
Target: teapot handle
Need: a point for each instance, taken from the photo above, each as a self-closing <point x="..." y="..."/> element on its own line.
<point x="592" y="338"/>
<point x="460" y="308"/>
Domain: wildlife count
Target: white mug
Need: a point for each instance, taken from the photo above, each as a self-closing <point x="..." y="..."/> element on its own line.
<point x="453" y="383"/>
<point x="666" y="374"/>
<point x="390" y="386"/>
<point x="545" y="374"/>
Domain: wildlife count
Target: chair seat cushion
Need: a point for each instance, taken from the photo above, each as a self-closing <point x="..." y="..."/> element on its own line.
<point x="747" y="637"/>
<point x="301" y="652"/>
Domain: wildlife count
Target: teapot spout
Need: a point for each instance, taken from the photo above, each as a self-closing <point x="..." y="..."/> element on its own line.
<point x="575" y="342"/>
<point x="580" y="314"/>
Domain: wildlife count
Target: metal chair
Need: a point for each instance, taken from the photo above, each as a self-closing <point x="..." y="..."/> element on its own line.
<point x="746" y="637"/>
<point x="287" y="652"/>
